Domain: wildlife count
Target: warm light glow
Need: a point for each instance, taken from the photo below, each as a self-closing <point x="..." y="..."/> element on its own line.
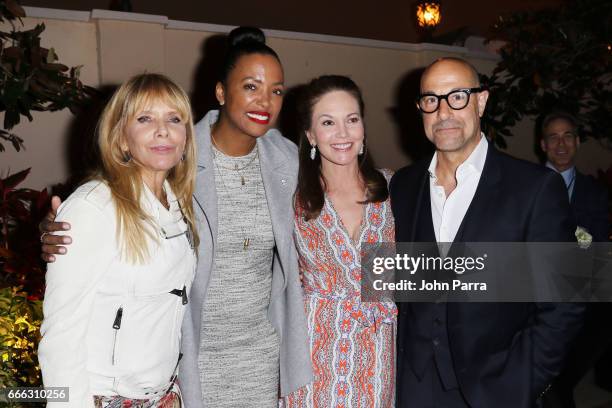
<point x="428" y="14"/>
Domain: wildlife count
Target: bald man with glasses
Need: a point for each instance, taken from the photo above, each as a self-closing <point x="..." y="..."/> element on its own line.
<point x="454" y="355"/>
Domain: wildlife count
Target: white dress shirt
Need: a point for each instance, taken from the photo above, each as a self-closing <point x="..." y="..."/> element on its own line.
<point x="447" y="212"/>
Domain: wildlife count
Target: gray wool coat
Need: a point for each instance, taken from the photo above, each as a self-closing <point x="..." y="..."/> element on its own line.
<point x="279" y="167"/>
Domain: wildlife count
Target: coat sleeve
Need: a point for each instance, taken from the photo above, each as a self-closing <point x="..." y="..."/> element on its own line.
<point x="71" y="283"/>
<point x="556" y="324"/>
<point x="189" y="375"/>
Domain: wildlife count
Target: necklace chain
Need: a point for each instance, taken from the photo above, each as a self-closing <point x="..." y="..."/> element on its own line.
<point x="235" y="168"/>
<point x="246" y="239"/>
<point x="214" y="142"/>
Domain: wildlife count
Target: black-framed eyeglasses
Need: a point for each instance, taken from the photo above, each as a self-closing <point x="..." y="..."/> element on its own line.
<point x="457" y="99"/>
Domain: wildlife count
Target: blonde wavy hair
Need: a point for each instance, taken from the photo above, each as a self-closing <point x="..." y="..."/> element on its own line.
<point x="124" y="176"/>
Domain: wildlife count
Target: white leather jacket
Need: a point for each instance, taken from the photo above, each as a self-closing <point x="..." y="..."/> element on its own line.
<point x="111" y="327"/>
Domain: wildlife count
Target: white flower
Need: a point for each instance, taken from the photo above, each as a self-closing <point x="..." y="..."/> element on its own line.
<point x="583" y="237"/>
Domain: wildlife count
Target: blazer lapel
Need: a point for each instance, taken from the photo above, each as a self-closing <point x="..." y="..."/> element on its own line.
<point x="279" y="184"/>
<point x="423" y="224"/>
<point x="485" y="195"/>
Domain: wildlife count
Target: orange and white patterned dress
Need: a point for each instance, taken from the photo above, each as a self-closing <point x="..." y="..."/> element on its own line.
<point x="352" y="343"/>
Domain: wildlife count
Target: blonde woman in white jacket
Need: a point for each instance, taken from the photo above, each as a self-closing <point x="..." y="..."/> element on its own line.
<point x="114" y="304"/>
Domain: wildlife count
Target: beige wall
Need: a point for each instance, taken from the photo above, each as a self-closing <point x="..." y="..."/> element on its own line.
<point x="45" y="137"/>
<point x="112" y="48"/>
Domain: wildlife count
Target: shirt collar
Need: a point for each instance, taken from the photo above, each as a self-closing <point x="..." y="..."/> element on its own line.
<point x="474" y="163"/>
<point x="566" y="171"/>
<point x="153" y="205"/>
<point x="567" y="174"/>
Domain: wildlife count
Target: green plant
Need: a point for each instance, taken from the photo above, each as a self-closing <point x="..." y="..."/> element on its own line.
<point x="31" y="79"/>
<point x="554" y="59"/>
<point x="20" y="317"/>
<point x="21" y="209"/>
<point x="21" y="282"/>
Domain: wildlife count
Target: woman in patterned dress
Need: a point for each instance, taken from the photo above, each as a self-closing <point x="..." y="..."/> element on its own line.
<point x="342" y="201"/>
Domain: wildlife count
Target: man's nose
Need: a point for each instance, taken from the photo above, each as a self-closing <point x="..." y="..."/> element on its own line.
<point x="444" y="110"/>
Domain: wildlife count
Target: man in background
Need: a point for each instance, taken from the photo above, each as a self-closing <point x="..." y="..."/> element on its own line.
<point x="589" y="202"/>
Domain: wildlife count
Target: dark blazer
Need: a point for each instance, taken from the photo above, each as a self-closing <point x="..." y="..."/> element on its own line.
<point x="590" y="206"/>
<point x="504" y="354"/>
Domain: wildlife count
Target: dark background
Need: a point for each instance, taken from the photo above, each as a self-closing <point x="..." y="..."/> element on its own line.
<point x="390" y="20"/>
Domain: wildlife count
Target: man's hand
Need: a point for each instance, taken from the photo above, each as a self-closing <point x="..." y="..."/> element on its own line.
<point x="52" y="243"/>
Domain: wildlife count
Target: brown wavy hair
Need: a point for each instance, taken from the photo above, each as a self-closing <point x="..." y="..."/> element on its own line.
<point x="310" y="194"/>
<point x="124" y="177"/>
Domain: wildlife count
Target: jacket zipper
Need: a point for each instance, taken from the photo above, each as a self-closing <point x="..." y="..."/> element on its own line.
<point x="182" y="293"/>
<point x="116" y="327"/>
<point x="174" y="373"/>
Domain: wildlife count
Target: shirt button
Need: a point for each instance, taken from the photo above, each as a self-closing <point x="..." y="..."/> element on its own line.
<point x="436" y="342"/>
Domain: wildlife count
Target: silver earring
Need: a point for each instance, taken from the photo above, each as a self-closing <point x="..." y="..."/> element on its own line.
<point x="361" y="149"/>
<point x="313" y="152"/>
<point x="183" y="157"/>
<point x="127" y="157"/>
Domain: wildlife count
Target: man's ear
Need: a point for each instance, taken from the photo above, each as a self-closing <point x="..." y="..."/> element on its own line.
<point x="483" y="96"/>
<point x="220" y="93"/>
<point x="543" y="144"/>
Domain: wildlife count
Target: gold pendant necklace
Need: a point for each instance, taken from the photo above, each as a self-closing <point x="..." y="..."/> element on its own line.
<point x="246" y="240"/>
<point x="236" y="168"/>
<point x="241" y="175"/>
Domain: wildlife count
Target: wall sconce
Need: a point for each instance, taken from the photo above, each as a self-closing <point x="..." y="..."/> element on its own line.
<point x="428" y="14"/>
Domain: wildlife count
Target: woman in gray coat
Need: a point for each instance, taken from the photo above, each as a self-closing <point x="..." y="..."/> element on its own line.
<point x="247" y="323"/>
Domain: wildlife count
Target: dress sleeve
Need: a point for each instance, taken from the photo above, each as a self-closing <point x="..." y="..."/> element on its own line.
<point x="71" y="283"/>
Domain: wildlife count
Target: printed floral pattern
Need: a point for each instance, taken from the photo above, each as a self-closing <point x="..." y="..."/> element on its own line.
<point x="352" y="343"/>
